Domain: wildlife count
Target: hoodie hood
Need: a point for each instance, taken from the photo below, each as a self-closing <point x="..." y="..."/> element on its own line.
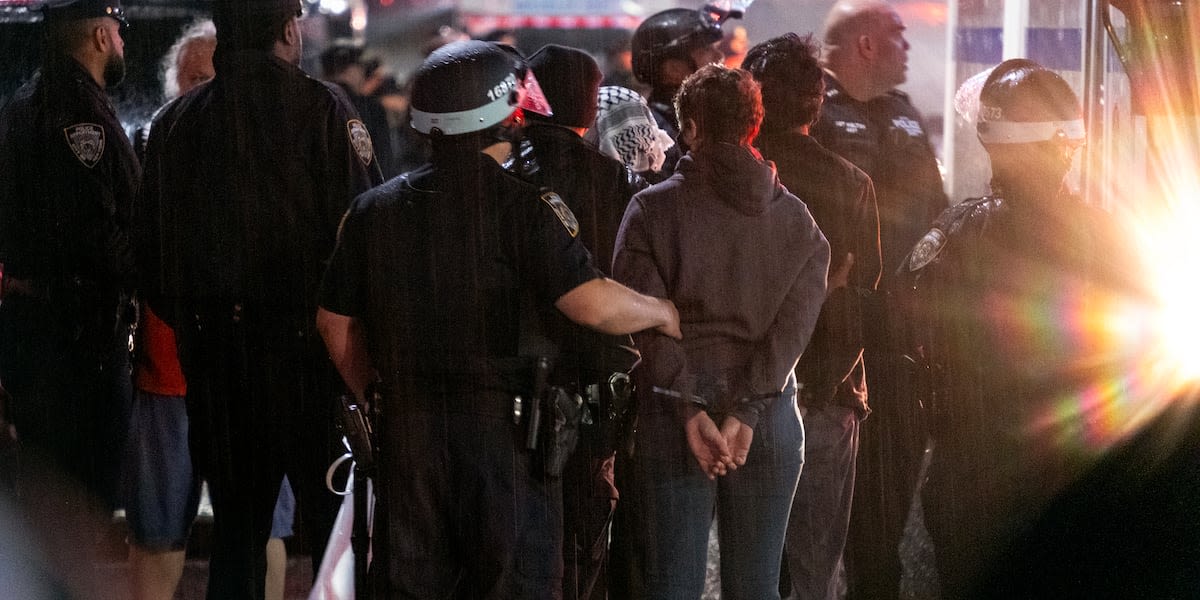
<point x="737" y="174"/>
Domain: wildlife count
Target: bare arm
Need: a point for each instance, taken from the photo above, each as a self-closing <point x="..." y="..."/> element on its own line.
<point x="609" y="307"/>
<point x="345" y="339"/>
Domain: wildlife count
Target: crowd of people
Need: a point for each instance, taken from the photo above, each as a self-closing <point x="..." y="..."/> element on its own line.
<point x="585" y="322"/>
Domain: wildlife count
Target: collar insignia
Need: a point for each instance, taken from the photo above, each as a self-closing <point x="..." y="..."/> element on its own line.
<point x="562" y="211"/>
<point x="360" y="139"/>
<point x="87" y="142"/>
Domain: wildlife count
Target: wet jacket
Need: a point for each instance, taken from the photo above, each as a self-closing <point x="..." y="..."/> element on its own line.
<point x="744" y="263"/>
<point x="247" y="178"/>
<point x="842" y="200"/>
<point x="68" y="177"/>
<point x="885" y="137"/>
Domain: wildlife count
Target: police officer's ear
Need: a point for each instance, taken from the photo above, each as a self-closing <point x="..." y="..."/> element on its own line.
<point x="291" y="32"/>
<point x="100" y="35"/>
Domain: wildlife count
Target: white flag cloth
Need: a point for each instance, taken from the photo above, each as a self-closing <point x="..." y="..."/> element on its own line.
<point x="335" y="580"/>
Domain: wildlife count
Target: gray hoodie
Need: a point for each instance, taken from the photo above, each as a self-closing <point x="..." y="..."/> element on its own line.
<point x="745" y="264"/>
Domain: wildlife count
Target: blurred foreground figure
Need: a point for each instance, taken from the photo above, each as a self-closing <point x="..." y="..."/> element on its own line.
<point x="441" y="289"/>
<point x="235" y="224"/>
<point x="985" y="276"/>
<point x="68" y="176"/>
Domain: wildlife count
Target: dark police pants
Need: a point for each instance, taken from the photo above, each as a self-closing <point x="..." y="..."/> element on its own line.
<point x="261" y="401"/>
<point x="465" y="508"/>
<point x="69" y="377"/>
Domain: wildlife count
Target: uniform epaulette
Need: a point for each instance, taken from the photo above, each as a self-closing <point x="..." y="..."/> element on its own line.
<point x="899" y="94"/>
<point x="950" y="222"/>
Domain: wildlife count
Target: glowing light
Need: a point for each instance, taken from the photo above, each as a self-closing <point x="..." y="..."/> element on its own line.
<point x="335" y="7"/>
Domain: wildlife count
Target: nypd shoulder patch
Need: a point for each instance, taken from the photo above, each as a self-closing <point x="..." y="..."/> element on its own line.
<point x="360" y="139"/>
<point x="562" y="211"/>
<point x="927" y="249"/>
<point x="86" y="140"/>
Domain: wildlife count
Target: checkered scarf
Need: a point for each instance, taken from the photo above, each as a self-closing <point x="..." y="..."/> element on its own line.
<point x="625" y="130"/>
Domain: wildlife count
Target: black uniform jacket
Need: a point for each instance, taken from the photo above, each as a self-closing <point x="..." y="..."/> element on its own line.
<point x="1000" y="287"/>
<point x="841" y="199"/>
<point x="886" y="138"/>
<point x="597" y="189"/>
<point x="247" y="177"/>
<point x="438" y="264"/>
<point x="68" y="177"/>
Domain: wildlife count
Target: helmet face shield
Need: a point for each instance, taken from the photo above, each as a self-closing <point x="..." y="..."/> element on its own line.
<point x="531" y="98"/>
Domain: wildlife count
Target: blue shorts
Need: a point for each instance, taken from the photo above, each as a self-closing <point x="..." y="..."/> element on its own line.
<point x="285" y="511"/>
<point x="160" y="489"/>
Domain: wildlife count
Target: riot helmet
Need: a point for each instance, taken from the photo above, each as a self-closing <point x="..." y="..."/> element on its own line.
<point x="472" y="86"/>
<point x="1022" y="102"/>
<point x="672" y="33"/>
<point x="1031" y="124"/>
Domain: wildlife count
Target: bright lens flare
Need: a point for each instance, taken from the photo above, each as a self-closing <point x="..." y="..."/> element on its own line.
<point x="1173" y="258"/>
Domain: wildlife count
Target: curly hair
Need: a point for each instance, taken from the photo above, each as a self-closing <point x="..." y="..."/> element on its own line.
<point x="725" y="104"/>
<point x="792" y="80"/>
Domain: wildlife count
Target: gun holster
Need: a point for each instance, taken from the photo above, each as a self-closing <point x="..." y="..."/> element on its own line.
<point x="355" y="424"/>
<point x="554" y="419"/>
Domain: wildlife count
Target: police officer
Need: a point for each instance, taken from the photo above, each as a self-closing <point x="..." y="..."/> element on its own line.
<point x="997" y="462"/>
<point x="831" y="374"/>
<point x="596" y="188"/>
<point x="667" y="47"/>
<point x="871" y="124"/>
<point x="68" y="176"/>
<point x="437" y="286"/>
<point x="343" y="63"/>
<point x="235" y="226"/>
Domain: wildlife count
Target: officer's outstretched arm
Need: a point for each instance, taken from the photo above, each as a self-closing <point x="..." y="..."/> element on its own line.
<point x="609" y="307"/>
<point x="347" y="345"/>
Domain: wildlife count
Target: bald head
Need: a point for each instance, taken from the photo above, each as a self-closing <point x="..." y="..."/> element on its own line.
<point x="865" y="47"/>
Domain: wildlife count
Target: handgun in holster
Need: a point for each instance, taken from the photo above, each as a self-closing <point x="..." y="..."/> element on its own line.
<point x="355" y="425"/>
<point x="554" y="419"/>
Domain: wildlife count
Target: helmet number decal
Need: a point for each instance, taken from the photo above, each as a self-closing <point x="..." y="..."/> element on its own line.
<point x="503" y="89"/>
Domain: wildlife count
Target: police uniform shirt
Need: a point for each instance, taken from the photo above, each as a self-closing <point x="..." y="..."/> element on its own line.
<point x="885" y="137"/>
<point x="247" y="177"/>
<point x="435" y="262"/>
<point x="68" y="176"/>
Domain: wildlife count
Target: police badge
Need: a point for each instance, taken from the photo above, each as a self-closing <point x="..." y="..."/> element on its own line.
<point x="360" y="139"/>
<point x="927" y="249"/>
<point x="87" y="142"/>
<point x="562" y="211"/>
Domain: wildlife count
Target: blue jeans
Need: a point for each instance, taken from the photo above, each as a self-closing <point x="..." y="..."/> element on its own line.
<point x="669" y="504"/>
